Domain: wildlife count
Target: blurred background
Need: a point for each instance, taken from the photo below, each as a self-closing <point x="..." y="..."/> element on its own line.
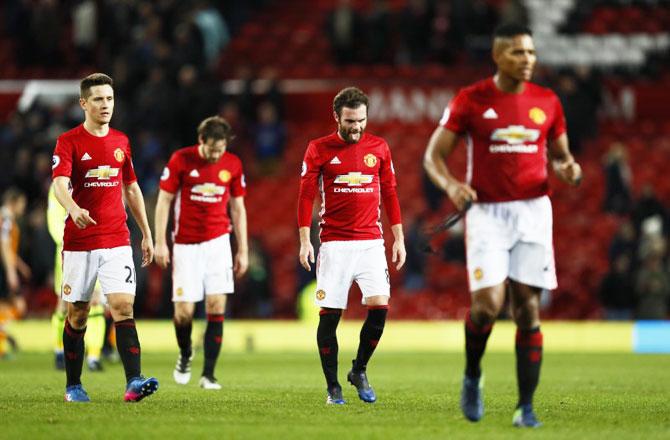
<point x="271" y="68"/>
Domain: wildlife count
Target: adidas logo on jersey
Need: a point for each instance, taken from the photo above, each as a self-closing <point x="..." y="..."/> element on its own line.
<point x="335" y="161"/>
<point x="490" y="114"/>
<point x="194" y="173"/>
<point x="86" y="156"/>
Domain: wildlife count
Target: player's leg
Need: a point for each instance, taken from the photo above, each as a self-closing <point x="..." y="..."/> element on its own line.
<point x="488" y="240"/>
<point x="215" y="308"/>
<point x="95" y="334"/>
<point x="525" y="306"/>
<point x="373" y="279"/>
<point x="58" y="316"/>
<point x="326" y="340"/>
<point x="57" y="326"/>
<point x="334" y="275"/>
<point x="79" y="275"/>
<point x="218" y="282"/>
<point x="117" y="278"/>
<point x="532" y="269"/>
<point x="183" y="327"/>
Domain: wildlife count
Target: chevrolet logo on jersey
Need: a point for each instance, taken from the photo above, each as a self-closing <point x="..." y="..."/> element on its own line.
<point x="515" y="134"/>
<point x="354" y="178"/>
<point x="103" y="172"/>
<point x="208" y="189"/>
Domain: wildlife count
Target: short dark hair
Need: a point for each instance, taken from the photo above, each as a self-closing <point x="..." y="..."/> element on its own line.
<point x="509" y="30"/>
<point x="94" y="79"/>
<point x="215" y="127"/>
<point x="351" y="97"/>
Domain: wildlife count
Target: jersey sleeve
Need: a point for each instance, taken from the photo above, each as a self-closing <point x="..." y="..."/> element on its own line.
<point x="128" y="169"/>
<point x="387" y="185"/>
<point x="558" y="126"/>
<point x="455" y="115"/>
<point x="61" y="162"/>
<point x="171" y="177"/>
<point x="238" y="184"/>
<point x="309" y="177"/>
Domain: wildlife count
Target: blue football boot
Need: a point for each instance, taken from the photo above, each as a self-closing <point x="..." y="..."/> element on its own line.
<point x="140" y="387"/>
<point x="76" y="393"/>
<point x="524" y="417"/>
<point x="360" y="380"/>
<point x="472" y="403"/>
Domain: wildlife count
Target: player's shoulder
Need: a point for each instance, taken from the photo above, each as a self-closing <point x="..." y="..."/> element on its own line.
<point x="324" y="141"/>
<point x="477" y="89"/>
<point x="71" y="134"/>
<point x="232" y="158"/>
<point x="375" y="140"/>
<point x="541" y="91"/>
<point x="118" y="134"/>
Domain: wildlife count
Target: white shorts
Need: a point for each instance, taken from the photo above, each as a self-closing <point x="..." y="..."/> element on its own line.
<point x="113" y="268"/>
<point x="202" y="269"/>
<point x="510" y="240"/>
<point x="342" y="262"/>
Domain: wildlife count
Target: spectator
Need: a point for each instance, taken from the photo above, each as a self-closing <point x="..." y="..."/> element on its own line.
<point x="415" y="30"/>
<point x="652" y="283"/>
<point x="343" y="25"/>
<point x="617" y="292"/>
<point x="618" y="179"/>
<point x="270" y="137"/>
<point x="648" y="206"/>
<point x="214" y="31"/>
<point x="378" y="33"/>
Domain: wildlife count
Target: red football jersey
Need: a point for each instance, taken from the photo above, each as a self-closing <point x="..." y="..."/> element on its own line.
<point x="97" y="167"/>
<point x="353" y="179"/>
<point x="507" y="138"/>
<point x="202" y="192"/>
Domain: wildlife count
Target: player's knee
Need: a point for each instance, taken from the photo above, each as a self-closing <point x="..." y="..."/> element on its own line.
<point x="182" y="318"/>
<point x="483" y="313"/>
<point x="122" y="310"/>
<point x="78" y="318"/>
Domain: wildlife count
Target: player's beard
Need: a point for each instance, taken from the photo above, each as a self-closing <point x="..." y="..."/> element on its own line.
<point x="347" y="135"/>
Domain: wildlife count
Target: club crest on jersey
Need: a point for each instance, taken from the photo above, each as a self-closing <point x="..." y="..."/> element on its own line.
<point x="478" y="274"/>
<point x="370" y="160"/>
<point x="353" y="178"/>
<point x="320" y="294"/>
<point x="67" y="289"/>
<point x="119" y="155"/>
<point x="179" y="291"/>
<point x="537" y="115"/>
<point x="224" y="176"/>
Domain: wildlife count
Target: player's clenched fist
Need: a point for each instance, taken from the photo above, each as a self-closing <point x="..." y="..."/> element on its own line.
<point x="162" y="255"/>
<point x="461" y="194"/>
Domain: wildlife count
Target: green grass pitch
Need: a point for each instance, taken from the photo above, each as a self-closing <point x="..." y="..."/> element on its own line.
<point x="271" y="395"/>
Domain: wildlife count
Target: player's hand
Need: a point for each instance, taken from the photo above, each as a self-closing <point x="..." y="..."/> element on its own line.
<point x="81" y="218"/>
<point x="306" y="255"/>
<point x="460" y="194"/>
<point x="399" y="254"/>
<point x="241" y="263"/>
<point x="570" y="172"/>
<point x="147" y="251"/>
<point x="162" y="255"/>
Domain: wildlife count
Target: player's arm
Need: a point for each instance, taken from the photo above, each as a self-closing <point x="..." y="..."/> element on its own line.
<point x="79" y="216"/>
<point x="387" y="188"/>
<point x="440" y="146"/>
<point x="135" y="201"/>
<point x="9" y="262"/>
<point x="238" y="213"/>
<point x="308" y="188"/>
<point x="161" y="251"/>
<point x="563" y="162"/>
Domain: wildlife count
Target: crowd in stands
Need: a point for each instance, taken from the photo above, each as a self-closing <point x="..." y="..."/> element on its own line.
<point x="164" y="58"/>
